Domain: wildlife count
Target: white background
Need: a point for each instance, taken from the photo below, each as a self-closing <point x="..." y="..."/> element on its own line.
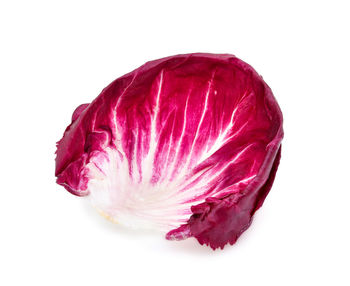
<point x="56" y="55"/>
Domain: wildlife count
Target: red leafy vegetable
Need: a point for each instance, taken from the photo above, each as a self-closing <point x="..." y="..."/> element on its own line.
<point x="188" y="145"/>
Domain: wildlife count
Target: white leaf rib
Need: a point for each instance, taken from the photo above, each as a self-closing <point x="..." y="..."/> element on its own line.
<point x="118" y="138"/>
<point x="168" y="152"/>
<point x="178" y="146"/>
<point x="188" y="161"/>
<point x="148" y="161"/>
<point x="136" y="176"/>
<point x="220" y="141"/>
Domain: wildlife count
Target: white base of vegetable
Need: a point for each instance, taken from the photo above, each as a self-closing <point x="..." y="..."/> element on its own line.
<point x="132" y="203"/>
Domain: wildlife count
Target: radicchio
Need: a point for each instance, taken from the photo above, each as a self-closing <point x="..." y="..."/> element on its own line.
<point x="188" y="145"/>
